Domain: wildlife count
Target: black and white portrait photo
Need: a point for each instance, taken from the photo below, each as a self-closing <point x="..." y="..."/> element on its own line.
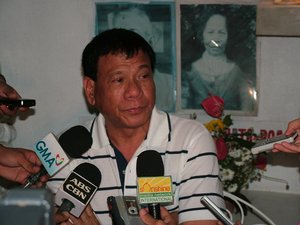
<point x="156" y="24"/>
<point x="218" y="55"/>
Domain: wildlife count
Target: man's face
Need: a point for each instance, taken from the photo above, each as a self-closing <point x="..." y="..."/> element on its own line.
<point x="124" y="91"/>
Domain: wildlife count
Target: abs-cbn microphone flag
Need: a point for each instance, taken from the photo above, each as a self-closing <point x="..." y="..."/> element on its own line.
<point x="155" y="190"/>
<point x="78" y="189"/>
<point x="51" y="154"/>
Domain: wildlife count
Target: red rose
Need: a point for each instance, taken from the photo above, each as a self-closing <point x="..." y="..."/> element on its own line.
<point x="221" y="148"/>
<point x="213" y="106"/>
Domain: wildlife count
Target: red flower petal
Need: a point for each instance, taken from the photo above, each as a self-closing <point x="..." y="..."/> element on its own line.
<point x="221" y="148"/>
<point x="214" y="106"/>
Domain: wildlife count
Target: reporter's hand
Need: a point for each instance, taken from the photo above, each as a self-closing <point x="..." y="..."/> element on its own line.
<point x="288" y="147"/>
<point x="293" y="126"/>
<point x="61" y="218"/>
<point x="17" y="164"/>
<point x="6" y="91"/>
<point x="166" y="217"/>
<point x="87" y="217"/>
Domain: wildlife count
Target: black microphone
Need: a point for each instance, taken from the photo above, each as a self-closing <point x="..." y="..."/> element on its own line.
<point x="78" y="189"/>
<point x="150" y="164"/>
<point x="54" y="154"/>
<point x="76" y="141"/>
<point x="13" y="103"/>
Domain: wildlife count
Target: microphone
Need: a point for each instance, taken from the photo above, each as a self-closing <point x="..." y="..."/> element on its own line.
<point x="78" y="189"/>
<point x="54" y="154"/>
<point x="153" y="187"/>
<point x="13" y="103"/>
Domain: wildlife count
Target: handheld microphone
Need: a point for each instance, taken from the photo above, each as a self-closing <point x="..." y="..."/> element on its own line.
<point x="54" y="154"/>
<point x="153" y="187"/>
<point x="78" y="189"/>
<point x="13" y="103"/>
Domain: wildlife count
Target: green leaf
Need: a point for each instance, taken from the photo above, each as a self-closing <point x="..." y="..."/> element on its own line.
<point x="240" y="141"/>
<point x="227" y="121"/>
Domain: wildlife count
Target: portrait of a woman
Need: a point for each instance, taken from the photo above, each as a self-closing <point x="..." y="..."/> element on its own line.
<point x="212" y="69"/>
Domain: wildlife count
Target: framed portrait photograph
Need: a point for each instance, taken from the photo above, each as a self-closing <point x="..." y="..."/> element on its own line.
<point x="217" y="55"/>
<point x="155" y="22"/>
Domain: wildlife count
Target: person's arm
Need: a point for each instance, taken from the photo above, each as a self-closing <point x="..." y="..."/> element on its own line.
<point x="293" y="126"/>
<point x="6" y="91"/>
<point x="17" y="164"/>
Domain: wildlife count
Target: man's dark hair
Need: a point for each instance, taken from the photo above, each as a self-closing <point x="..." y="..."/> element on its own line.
<point x="114" y="41"/>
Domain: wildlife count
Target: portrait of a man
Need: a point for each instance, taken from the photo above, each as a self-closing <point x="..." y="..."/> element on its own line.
<point x="154" y="22"/>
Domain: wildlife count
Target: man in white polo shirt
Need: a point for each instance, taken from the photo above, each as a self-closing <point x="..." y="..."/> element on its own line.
<point x="118" y="67"/>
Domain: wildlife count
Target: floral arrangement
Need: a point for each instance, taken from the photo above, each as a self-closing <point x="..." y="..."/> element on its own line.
<point x="238" y="167"/>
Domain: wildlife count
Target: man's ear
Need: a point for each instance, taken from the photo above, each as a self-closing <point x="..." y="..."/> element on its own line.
<point x="89" y="90"/>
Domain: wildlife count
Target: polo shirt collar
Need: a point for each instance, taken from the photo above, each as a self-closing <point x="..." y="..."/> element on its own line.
<point x="159" y="130"/>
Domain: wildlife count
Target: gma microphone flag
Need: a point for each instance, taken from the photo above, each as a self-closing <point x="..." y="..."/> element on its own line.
<point x="155" y="190"/>
<point x="51" y="154"/>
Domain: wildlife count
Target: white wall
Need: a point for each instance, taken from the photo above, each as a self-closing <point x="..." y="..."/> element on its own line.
<point x="41" y="42"/>
<point x="41" y="45"/>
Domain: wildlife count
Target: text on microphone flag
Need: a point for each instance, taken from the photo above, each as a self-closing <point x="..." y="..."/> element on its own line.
<point x="51" y="154"/>
<point x="155" y="190"/>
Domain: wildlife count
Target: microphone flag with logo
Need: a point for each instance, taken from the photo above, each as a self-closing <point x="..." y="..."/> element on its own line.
<point x="152" y="186"/>
<point x="78" y="189"/>
<point x="54" y="154"/>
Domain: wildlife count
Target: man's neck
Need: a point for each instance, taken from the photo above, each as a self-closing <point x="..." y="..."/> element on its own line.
<point x="127" y="140"/>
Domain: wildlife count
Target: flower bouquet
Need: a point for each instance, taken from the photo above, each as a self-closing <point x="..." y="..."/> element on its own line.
<point x="238" y="167"/>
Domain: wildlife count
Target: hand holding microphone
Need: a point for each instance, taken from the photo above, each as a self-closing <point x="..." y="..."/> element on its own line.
<point x="16" y="164"/>
<point x="54" y="154"/>
<point x="78" y="189"/>
<point x="87" y="217"/>
<point x="166" y="217"/>
<point x="10" y="100"/>
<point x="153" y="187"/>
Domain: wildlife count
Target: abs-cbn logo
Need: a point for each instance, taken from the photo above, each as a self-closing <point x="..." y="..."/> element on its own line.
<point x="79" y="188"/>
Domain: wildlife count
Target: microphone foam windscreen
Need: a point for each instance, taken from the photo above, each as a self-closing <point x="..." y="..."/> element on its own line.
<point x="90" y="172"/>
<point x="149" y="164"/>
<point x="76" y="141"/>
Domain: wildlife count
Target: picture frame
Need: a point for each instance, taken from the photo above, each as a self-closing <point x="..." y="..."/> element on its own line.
<point x="211" y="64"/>
<point x="155" y="21"/>
<point x="287" y="2"/>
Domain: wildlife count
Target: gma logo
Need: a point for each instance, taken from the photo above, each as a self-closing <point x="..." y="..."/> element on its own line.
<point x="48" y="156"/>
